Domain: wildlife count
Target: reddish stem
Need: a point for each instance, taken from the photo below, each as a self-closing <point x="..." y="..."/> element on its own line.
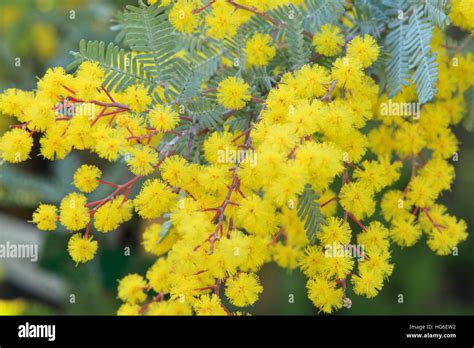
<point x="327" y="202"/>
<point x="435" y="224"/>
<point x="108" y="183"/>
<point x="360" y="224"/>
<point x="204" y="7"/>
<point x="108" y="94"/>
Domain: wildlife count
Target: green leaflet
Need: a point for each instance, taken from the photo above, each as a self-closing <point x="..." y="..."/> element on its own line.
<point x="397" y="64"/>
<point x="298" y="49"/>
<point x="369" y="18"/>
<point x="320" y="12"/>
<point x="421" y="59"/>
<point x="207" y="113"/>
<point x="121" y="67"/>
<point x="309" y="212"/>
<point x="435" y="11"/>
<point x="408" y="44"/>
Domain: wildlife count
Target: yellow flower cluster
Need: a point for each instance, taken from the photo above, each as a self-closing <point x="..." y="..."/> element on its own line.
<point x="236" y="210"/>
<point x="461" y="14"/>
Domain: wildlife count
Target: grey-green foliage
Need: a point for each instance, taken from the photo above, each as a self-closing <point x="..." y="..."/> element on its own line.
<point x="435" y="11"/>
<point x="23" y="189"/>
<point x="146" y="31"/>
<point x="294" y="23"/>
<point x="421" y="59"/>
<point x="369" y="17"/>
<point x="410" y="27"/>
<point x="206" y="112"/>
<point x="403" y="26"/>
<point x="298" y="48"/>
<point x="309" y="212"/>
<point x="262" y="79"/>
<point x="397" y="64"/>
<point x="320" y="12"/>
<point x="121" y="67"/>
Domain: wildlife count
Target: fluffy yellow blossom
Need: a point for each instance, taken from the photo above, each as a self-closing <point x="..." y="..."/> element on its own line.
<point x="72" y="212"/>
<point x="404" y="231"/>
<point x="159" y="276"/>
<point x="348" y="72"/>
<point x="243" y="289"/>
<point x="378" y="262"/>
<point x="131" y="289"/>
<point x="328" y="41"/>
<point x="52" y="83"/>
<point x="54" y="144"/>
<point x="357" y="199"/>
<point x="375" y="238"/>
<point x="233" y="93"/>
<point x="137" y="98"/>
<point x="258" y="50"/>
<point x="86" y="178"/>
<point x="324" y="294"/>
<point x="108" y="142"/>
<point x="256" y="215"/>
<point x="15" y="145"/>
<point x="82" y="249"/>
<point x="393" y="204"/>
<point x="110" y="215"/>
<point x="153" y="199"/>
<point x="335" y="231"/>
<point x="313" y="262"/>
<point x="421" y="193"/>
<point x="286" y="256"/>
<point x="181" y="16"/>
<point x="163" y="118"/>
<point x="223" y="22"/>
<point x="142" y="160"/>
<point x="15" y="102"/>
<point x="172" y="170"/>
<point x="363" y="48"/>
<point x="443" y="240"/>
<point x="461" y="14"/>
<point x="42" y="116"/>
<point x="156" y="241"/>
<point x="209" y="305"/>
<point x="367" y="283"/>
<point x="128" y="309"/>
<point x="45" y="217"/>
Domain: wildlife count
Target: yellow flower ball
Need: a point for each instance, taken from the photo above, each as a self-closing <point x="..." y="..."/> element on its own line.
<point x="82" y="249"/>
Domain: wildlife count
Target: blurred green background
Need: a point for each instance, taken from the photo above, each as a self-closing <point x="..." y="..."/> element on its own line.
<point x="41" y="33"/>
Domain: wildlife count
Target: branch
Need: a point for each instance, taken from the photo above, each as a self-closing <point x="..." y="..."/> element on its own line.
<point x="272" y="20"/>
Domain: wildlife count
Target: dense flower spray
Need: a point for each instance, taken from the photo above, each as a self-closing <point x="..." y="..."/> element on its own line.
<point x="319" y="126"/>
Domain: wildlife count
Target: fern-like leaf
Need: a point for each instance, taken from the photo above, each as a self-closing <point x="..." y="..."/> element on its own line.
<point x="368" y="18"/>
<point x="121" y="67"/>
<point x="421" y="59"/>
<point x="298" y="49"/>
<point x="309" y="212"/>
<point x="318" y="12"/>
<point x="206" y="112"/>
<point x="397" y="64"/>
<point x="435" y="11"/>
